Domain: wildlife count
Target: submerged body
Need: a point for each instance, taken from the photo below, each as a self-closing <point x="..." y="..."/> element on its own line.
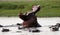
<point x="30" y="19"/>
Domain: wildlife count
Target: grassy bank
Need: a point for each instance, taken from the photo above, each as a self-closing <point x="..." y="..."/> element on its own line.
<point x="48" y="8"/>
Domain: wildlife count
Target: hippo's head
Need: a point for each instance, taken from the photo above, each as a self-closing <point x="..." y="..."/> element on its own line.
<point x="36" y="8"/>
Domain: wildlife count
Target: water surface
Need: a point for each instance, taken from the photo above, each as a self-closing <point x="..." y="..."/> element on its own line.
<point x="43" y="21"/>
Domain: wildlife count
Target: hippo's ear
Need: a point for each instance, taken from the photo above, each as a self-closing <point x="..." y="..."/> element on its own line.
<point x="38" y="8"/>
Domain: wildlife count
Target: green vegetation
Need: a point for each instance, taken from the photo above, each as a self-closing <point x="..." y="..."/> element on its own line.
<point x="48" y="8"/>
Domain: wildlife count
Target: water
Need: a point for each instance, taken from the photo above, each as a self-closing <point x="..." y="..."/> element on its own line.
<point x="43" y="21"/>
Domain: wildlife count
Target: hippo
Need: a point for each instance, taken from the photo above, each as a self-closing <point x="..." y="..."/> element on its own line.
<point x="54" y="28"/>
<point x="58" y="24"/>
<point x="29" y="18"/>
